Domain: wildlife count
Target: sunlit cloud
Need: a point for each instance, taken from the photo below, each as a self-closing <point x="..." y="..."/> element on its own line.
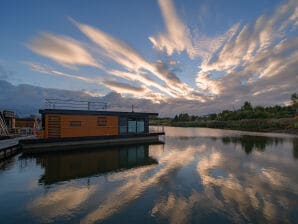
<point x="255" y="61"/>
<point x="259" y="55"/>
<point x="61" y="49"/>
<point x="132" y="61"/>
<point x="177" y="36"/>
<point x="124" y="88"/>
<point x="119" y="87"/>
<point x="50" y="71"/>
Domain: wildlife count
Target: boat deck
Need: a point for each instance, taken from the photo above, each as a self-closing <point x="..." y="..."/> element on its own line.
<point x="60" y="144"/>
<point x="9" y="147"/>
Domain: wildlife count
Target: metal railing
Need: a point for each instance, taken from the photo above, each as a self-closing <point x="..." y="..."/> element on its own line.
<point x="156" y="129"/>
<point x="3" y="128"/>
<point x="74" y="104"/>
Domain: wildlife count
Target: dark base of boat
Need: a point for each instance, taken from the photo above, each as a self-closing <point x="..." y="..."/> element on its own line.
<point x="60" y="144"/>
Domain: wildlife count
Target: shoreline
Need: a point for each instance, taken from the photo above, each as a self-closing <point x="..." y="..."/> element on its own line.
<point x="277" y="131"/>
<point x="281" y="125"/>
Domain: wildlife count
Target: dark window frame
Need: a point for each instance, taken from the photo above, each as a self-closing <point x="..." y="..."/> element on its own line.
<point x="102" y="121"/>
<point x="75" y="123"/>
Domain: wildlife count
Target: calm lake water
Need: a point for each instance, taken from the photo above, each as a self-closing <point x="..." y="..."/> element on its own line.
<point x="198" y="176"/>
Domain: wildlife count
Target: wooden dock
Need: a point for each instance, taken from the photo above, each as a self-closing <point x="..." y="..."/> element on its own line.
<point x="10" y="147"/>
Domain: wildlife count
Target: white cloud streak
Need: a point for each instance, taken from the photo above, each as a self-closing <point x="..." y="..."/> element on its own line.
<point x="125" y="88"/>
<point x="177" y="37"/>
<point x="125" y="56"/>
<point x="254" y="61"/>
<point x="258" y="56"/>
<point x="64" y="50"/>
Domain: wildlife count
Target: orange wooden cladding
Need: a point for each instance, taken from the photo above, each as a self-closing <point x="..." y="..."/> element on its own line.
<point x="24" y="123"/>
<point x="62" y="126"/>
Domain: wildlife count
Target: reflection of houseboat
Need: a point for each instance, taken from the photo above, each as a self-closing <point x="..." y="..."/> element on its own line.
<point x="69" y="129"/>
<point x="66" y="166"/>
<point x="296" y="118"/>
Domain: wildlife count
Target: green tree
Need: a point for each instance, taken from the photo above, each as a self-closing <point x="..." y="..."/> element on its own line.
<point x="294" y="99"/>
<point x="247" y="106"/>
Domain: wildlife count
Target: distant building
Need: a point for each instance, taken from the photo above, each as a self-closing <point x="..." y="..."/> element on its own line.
<point x="25" y="122"/>
<point x="9" y="118"/>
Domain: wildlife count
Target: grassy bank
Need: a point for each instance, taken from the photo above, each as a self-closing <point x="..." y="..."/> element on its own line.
<point x="283" y="125"/>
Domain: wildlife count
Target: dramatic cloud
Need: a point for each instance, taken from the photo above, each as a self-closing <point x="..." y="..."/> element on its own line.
<point x="256" y="61"/>
<point x="125" y="87"/>
<point x="132" y="61"/>
<point x="178" y="36"/>
<point x="61" y="49"/>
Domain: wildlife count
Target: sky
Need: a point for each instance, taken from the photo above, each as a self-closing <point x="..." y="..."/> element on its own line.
<point x="190" y="56"/>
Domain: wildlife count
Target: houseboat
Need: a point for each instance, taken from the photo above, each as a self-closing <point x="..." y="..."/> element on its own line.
<point x="64" y="129"/>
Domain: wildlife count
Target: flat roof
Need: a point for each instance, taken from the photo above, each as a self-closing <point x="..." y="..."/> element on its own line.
<point x="94" y="112"/>
<point x="25" y="119"/>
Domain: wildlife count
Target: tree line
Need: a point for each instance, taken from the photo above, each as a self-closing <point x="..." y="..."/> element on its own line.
<point x="247" y="111"/>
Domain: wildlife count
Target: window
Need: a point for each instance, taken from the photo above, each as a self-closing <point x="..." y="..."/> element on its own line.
<point x="75" y="123"/>
<point x="140" y="126"/>
<point x="136" y="126"/>
<point x="132" y="126"/>
<point x="101" y="121"/>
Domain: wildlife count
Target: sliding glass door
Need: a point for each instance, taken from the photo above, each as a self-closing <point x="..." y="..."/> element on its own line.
<point x="136" y="126"/>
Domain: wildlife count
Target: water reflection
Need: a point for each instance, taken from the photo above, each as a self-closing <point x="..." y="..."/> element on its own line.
<point x="295" y="148"/>
<point x="79" y="164"/>
<point x="250" y="142"/>
<point x="60" y="202"/>
<point x="200" y="176"/>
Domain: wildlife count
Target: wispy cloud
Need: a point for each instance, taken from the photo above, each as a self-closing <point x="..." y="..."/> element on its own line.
<point x="261" y="55"/>
<point x="110" y="83"/>
<point x="125" y="87"/>
<point x="61" y="49"/>
<point x="255" y="61"/>
<point x="177" y="36"/>
<point x="50" y="71"/>
<point x="132" y="61"/>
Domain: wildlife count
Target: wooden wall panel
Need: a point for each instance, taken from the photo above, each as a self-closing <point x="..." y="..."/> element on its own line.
<point x="24" y="124"/>
<point x="89" y="126"/>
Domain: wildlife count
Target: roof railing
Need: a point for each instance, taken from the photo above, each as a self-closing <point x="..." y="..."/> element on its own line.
<point x="74" y="104"/>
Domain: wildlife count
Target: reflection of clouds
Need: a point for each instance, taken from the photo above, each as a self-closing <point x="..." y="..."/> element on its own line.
<point x="274" y="177"/>
<point x="211" y="132"/>
<point x="60" y="202"/>
<point x="196" y="179"/>
<point x="155" y="151"/>
<point x="246" y="191"/>
<point x="256" y="188"/>
<point x="176" y="209"/>
<point x="137" y="184"/>
<point x="32" y="185"/>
